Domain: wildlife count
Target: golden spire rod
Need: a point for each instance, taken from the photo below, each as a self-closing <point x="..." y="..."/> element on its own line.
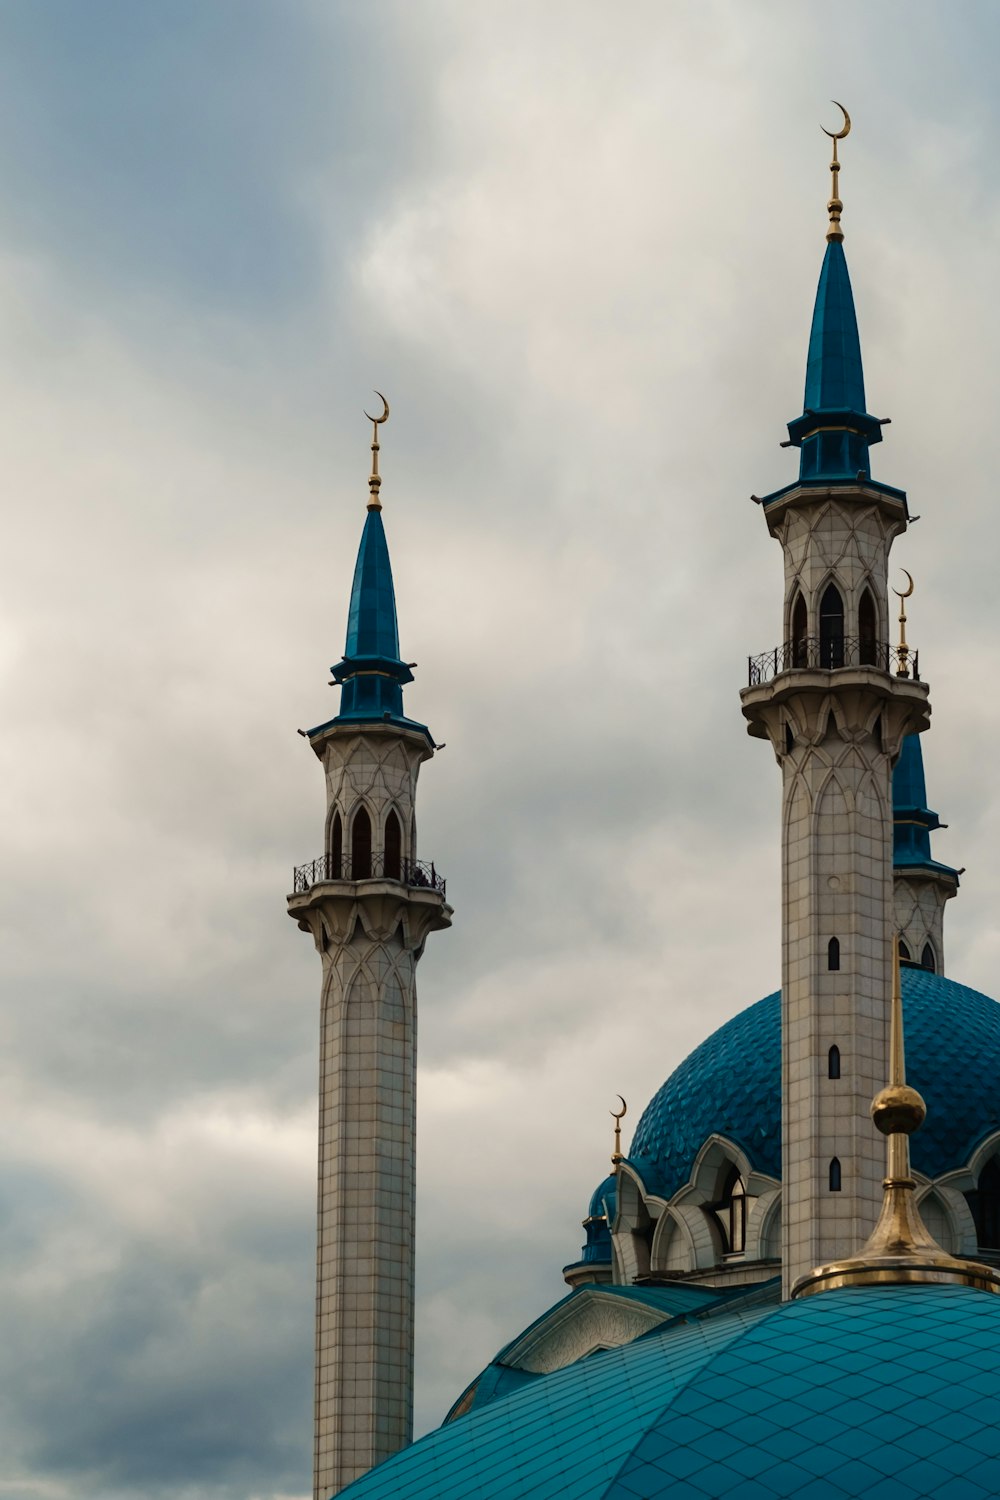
<point x="618" y="1117"/>
<point x="835" y="207"/>
<point x="375" y="478"/>
<point x="899" y="1248"/>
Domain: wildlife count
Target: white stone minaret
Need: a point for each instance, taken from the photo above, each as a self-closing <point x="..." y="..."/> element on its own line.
<point x="835" y="701"/>
<point x="369" y="905"/>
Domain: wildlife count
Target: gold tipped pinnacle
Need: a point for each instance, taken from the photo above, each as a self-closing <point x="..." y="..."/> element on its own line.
<point x="618" y="1117"/>
<point x="375" y="478"/>
<point x="835" y="207"/>
<point x="903" y="650"/>
<point x="899" y="1249"/>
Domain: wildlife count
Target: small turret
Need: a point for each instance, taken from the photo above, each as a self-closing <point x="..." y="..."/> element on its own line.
<point x="922" y="885"/>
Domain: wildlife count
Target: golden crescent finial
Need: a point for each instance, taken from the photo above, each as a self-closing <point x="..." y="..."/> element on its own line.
<point x="385" y="411"/>
<point x="838" y="135"/>
<point x="623" y="1112"/>
<point x="618" y="1116"/>
<point x="374" y="478"/>
<point x="905" y="593"/>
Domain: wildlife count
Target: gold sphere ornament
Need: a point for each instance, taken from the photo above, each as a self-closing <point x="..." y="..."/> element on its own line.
<point x="898" y="1110"/>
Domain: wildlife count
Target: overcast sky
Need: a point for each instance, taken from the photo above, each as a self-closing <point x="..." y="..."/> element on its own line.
<point x="576" y="245"/>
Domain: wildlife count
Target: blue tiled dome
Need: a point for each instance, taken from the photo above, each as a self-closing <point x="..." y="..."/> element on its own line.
<point x="865" y="1391"/>
<point x="731" y="1085"/>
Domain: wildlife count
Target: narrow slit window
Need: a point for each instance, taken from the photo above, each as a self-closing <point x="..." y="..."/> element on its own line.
<point x="867" y="630"/>
<point x="800" y="645"/>
<point x="833" y="1062"/>
<point x="833" y="954"/>
<point x="835" y="1175"/>
<point x="789" y="739"/>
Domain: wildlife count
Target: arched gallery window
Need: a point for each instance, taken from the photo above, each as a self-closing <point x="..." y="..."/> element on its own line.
<point x="831" y="628"/>
<point x="867" y="631"/>
<point x="393" y="847"/>
<point x="336" y="848"/>
<point x="985" y="1206"/>
<point x="904" y="952"/>
<point x="361" y="845"/>
<point x="927" y="958"/>
<point x="800" y="649"/>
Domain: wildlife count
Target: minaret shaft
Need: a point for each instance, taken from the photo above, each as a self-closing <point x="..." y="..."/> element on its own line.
<point x="835" y="716"/>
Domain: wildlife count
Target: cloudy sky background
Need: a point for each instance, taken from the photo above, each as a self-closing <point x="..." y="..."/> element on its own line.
<point x="577" y="246"/>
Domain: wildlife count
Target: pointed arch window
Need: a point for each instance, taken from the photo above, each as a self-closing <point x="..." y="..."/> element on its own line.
<point x="985" y="1206"/>
<point x="393" y="847"/>
<point x="927" y="959"/>
<point x="833" y="1062"/>
<point x="361" y="845"/>
<point x="337" y="847"/>
<point x="800" y="626"/>
<point x="737" y="1217"/>
<point x="904" y="953"/>
<point x="867" y="631"/>
<point x="831" y="628"/>
<point x="835" y="1176"/>
<point x="833" y="954"/>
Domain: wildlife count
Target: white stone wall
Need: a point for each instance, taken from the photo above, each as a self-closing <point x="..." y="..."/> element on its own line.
<point x="918" y="903"/>
<point x="842" y="542"/>
<point x="370" y="935"/>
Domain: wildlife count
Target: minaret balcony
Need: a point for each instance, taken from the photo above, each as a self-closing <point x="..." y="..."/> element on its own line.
<point x="831" y="654"/>
<point x="415" y="873"/>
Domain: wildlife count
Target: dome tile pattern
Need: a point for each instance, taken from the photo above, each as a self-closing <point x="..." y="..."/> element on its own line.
<point x="891" y="1391"/>
<point x="730" y="1085"/>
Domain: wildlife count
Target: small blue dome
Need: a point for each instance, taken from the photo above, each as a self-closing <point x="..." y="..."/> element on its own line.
<point x="865" y="1391"/>
<point x="604" y="1199"/>
<point x="731" y="1086"/>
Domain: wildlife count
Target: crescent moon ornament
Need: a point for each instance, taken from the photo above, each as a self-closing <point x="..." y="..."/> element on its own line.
<point x="905" y="593"/>
<point x="838" y="135"/>
<point x="385" y="412"/>
<point x="624" y="1110"/>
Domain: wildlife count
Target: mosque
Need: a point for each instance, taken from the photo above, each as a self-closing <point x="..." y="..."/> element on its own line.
<point x="779" y="1294"/>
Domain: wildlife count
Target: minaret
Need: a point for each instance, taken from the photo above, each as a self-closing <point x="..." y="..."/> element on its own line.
<point x="922" y="884"/>
<point x="835" y="699"/>
<point x="369" y="905"/>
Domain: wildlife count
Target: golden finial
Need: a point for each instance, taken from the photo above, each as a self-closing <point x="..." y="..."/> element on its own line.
<point x="835" y="207"/>
<point x="618" y="1117"/>
<point x="374" y="478"/>
<point x="903" y="650"/>
<point x="899" y="1249"/>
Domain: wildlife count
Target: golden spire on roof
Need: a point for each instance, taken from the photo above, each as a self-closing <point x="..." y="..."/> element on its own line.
<point x="618" y="1117"/>
<point x="903" y="650"/>
<point x="375" y="478"/>
<point x="899" y="1248"/>
<point x="835" y="207"/>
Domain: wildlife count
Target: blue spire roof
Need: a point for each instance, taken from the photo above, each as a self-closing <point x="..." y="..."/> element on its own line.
<point x="371" y="673"/>
<point x="912" y="820"/>
<point x="835" y="429"/>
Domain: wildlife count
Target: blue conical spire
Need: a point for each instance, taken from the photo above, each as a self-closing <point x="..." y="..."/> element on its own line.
<point x="835" y="430"/>
<point x="912" y="820"/>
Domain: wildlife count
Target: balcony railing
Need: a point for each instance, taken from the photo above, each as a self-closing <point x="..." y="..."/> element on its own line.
<point x="375" y="866"/>
<point x="828" y="653"/>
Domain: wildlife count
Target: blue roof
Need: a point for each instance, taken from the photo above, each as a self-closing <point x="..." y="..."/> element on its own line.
<point x="731" y="1085"/>
<point x="834" y="377"/>
<point x="371" y="673"/>
<point x="913" y="820"/>
<point x="871" y="1390"/>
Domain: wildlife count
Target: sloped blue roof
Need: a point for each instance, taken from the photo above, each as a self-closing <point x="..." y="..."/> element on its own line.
<point x="892" y="1391"/>
<point x="834" y="375"/>
<point x="731" y="1085"/>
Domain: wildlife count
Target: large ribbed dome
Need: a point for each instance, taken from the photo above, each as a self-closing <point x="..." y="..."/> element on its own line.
<point x="865" y="1391"/>
<point x="731" y="1086"/>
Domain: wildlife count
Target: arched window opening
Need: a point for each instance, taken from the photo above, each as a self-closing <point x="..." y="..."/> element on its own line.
<point x="985" y="1206"/>
<point x="393" y="847"/>
<point x="789" y="739"/>
<point x="835" y="1175"/>
<point x="336" y="848"/>
<point x="904" y="953"/>
<point x="361" y="845"/>
<point x="831" y="628"/>
<point x="867" y="631"/>
<point x="927" y="959"/>
<point x="833" y="1062"/>
<point x="833" y="954"/>
<point x="800" y="649"/>
<point x="730" y="1214"/>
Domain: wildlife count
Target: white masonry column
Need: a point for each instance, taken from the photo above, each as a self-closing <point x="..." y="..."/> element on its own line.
<point x="369" y="906"/>
<point x="831" y="704"/>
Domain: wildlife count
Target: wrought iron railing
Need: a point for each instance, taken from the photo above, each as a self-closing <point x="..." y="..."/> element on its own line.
<point x="830" y="652"/>
<point x="375" y="866"/>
